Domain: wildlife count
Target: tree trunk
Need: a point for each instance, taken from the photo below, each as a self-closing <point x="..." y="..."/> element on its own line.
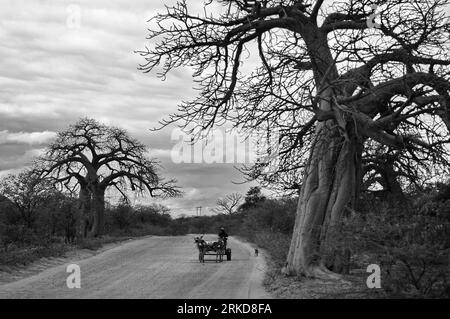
<point x="98" y="203"/>
<point x="393" y="187"/>
<point x="331" y="175"/>
<point x="28" y="218"/>
<point x="329" y="185"/>
<point x="85" y="208"/>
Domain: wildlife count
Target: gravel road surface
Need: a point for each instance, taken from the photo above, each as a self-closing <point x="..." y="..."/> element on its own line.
<point x="151" y="267"/>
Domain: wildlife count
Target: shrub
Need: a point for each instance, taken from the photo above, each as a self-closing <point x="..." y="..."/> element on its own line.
<point x="153" y="214"/>
<point x="27" y="255"/>
<point x="122" y="216"/>
<point x="276" y="243"/>
<point x="411" y="244"/>
<point x="178" y="227"/>
<point x="90" y="243"/>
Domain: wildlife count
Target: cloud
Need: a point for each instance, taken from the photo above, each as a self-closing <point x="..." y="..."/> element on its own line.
<point x="31" y="138"/>
<point x="15" y="158"/>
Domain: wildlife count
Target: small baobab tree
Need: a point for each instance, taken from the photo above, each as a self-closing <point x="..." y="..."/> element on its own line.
<point x="90" y="157"/>
<point x="328" y="77"/>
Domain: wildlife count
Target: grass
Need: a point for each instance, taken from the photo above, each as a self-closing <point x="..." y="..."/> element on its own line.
<point x="26" y="255"/>
<point x="274" y="243"/>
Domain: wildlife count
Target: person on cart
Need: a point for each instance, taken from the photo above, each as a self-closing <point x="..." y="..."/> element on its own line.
<point x="223" y="235"/>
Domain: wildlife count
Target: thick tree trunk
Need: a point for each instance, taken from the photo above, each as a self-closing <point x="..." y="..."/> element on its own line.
<point x="98" y="203"/>
<point x="332" y="173"/>
<point x="393" y="188"/>
<point x="85" y="224"/>
<point x="329" y="185"/>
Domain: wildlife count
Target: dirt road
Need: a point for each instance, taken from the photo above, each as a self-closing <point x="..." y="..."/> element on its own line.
<point x="152" y="267"/>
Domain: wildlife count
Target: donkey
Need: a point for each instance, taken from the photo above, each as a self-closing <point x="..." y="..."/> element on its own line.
<point x="204" y="246"/>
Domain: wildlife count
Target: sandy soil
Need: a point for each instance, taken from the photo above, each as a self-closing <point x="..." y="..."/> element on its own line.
<point x="152" y="267"/>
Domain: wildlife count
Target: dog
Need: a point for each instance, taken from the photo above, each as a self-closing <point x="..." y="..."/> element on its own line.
<point x="256" y="252"/>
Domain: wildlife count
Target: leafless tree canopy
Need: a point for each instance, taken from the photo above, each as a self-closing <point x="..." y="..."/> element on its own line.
<point x="391" y="80"/>
<point x="229" y="204"/>
<point x="90" y="153"/>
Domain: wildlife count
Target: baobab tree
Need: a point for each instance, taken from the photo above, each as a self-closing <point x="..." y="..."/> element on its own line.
<point x="89" y="157"/>
<point x="331" y="77"/>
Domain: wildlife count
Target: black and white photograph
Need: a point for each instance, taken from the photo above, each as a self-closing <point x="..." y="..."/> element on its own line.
<point x="225" y="155"/>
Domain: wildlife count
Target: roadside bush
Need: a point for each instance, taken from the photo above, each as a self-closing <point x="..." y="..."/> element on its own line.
<point x="25" y="256"/>
<point x="153" y="214"/>
<point x="276" y="243"/>
<point x="125" y="220"/>
<point x="411" y="245"/>
<point x="121" y="216"/>
<point x="90" y="243"/>
<point x="178" y="227"/>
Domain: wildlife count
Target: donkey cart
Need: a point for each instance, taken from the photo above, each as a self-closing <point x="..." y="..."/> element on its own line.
<point x="217" y="248"/>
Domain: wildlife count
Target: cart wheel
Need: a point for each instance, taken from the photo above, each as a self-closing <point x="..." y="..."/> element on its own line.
<point x="228" y="254"/>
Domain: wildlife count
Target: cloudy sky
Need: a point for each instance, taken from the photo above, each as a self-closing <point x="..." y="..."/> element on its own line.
<point x="62" y="60"/>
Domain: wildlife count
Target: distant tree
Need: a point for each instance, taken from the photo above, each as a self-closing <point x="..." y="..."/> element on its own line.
<point x="28" y="191"/>
<point x="229" y="204"/>
<point x="252" y="198"/>
<point x="89" y="157"/>
<point x="155" y="214"/>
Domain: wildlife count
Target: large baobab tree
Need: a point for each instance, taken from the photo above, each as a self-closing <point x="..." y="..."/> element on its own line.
<point x="325" y="74"/>
<point x="89" y="157"/>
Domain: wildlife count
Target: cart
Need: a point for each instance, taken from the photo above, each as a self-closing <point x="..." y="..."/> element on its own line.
<point x="218" y="249"/>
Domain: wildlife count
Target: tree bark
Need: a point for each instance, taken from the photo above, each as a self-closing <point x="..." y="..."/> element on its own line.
<point x="98" y="203"/>
<point x="331" y="176"/>
<point x="393" y="187"/>
<point x="329" y="184"/>
<point x="85" y="208"/>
